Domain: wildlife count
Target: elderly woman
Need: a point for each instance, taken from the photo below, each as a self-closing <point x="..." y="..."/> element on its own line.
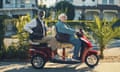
<point x="62" y="28"/>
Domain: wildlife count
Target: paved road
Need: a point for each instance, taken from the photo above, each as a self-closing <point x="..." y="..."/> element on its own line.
<point x="54" y="67"/>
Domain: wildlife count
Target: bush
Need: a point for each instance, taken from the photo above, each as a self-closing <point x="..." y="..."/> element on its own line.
<point x="19" y="49"/>
<point x="10" y="52"/>
<point x="1" y="53"/>
<point x="16" y="52"/>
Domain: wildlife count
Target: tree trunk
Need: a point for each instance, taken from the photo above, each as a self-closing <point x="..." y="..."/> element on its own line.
<point x="101" y="52"/>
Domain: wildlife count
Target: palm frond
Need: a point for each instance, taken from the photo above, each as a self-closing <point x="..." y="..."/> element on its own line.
<point x="102" y="30"/>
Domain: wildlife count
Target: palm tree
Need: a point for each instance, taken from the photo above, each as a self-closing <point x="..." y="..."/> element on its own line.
<point x="21" y="22"/>
<point x="103" y="33"/>
<point x="22" y="35"/>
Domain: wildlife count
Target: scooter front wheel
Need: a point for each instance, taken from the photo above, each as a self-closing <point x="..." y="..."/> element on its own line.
<point x="38" y="61"/>
<point x="92" y="60"/>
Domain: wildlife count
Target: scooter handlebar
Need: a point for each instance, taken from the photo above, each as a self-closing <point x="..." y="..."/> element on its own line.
<point x="79" y="34"/>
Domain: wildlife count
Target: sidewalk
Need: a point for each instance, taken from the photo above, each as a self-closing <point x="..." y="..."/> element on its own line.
<point x="108" y="67"/>
<point x="55" y="67"/>
<point x="112" y="55"/>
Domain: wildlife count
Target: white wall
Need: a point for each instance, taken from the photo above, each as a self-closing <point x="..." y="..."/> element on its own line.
<point x="99" y="1"/>
<point x="91" y="3"/>
<point x="85" y="3"/>
<point x="77" y="2"/>
<point x="116" y="2"/>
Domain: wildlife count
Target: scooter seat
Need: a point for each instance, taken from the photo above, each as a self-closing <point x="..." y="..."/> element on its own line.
<point x="40" y="45"/>
<point x="64" y="45"/>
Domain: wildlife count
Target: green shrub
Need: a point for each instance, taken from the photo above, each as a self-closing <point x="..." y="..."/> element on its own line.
<point x="16" y="52"/>
<point x="1" y="53"/>
<point x="10" y="52"/>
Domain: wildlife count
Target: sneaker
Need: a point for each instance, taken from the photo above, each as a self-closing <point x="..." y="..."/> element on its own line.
<point x="77" y="60"/>
<point x="72" y="59"/>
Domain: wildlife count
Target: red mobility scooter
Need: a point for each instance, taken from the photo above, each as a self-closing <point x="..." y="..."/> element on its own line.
<point x="40" y="54"/>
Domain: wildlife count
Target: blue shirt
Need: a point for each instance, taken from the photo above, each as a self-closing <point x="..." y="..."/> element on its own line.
<point x="61" y="27"/>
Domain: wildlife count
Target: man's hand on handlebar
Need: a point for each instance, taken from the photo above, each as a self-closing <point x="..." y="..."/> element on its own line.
<point x="79" y="34"/>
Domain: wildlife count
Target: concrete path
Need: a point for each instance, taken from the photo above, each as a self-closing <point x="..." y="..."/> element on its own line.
<point x="54" y="67"/>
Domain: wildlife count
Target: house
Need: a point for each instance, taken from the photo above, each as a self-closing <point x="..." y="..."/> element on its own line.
<point x="105" y="9"/>
<point x="15" y="8"/>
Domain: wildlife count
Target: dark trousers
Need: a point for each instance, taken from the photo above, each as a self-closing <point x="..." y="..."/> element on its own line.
<point x="82" y="49"/>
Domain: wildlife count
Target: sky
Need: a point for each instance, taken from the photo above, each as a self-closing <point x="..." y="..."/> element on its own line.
<point x="48" y="3"/>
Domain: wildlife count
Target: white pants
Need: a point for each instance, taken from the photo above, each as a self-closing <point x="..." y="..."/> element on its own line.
<point x="48" y="39"/>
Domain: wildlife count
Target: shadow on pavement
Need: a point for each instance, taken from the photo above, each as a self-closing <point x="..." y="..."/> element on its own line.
<point x="49" y="67"/>
<point x="86" y="69"/>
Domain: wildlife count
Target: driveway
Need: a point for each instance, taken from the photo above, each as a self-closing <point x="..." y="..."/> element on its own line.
<point x="54" y="67"/>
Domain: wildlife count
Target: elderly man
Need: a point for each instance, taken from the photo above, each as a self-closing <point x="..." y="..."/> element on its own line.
<point x="62" y="28"/>
<point x="38" y="31"/>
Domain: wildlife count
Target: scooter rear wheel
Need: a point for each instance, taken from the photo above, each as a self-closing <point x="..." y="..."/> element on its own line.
<point x="92" y="60"/>
<point x="38" y="61"/>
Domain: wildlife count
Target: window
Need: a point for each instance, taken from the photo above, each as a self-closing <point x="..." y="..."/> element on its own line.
<point x="111" y="1"/>
<point x="1" y="3"/>
<point x="7" y="1"/>
<point x="104" y="1"/>
<point x="108" y="1"/>
<point x="22" y="1"/>
<point x="22" y="4"/>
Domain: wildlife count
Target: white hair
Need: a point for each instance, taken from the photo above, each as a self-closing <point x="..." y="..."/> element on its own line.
<point x="61" y="15"/>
